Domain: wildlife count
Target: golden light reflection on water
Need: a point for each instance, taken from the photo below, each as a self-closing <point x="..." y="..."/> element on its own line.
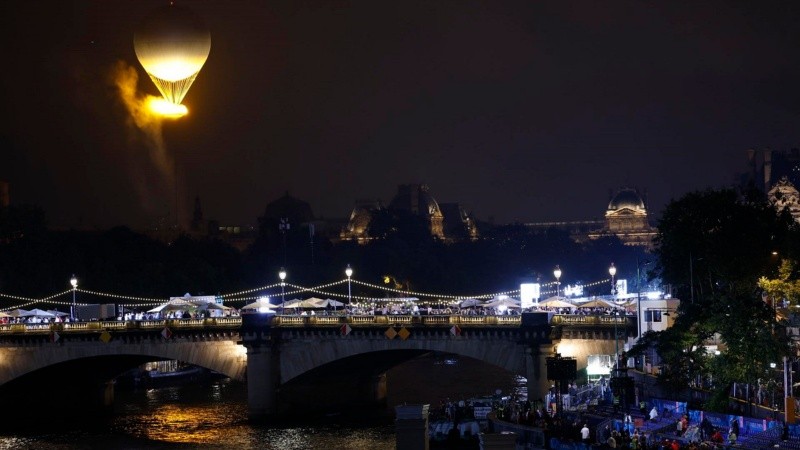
<point x="182" y="424"/>
<point x="206" y="416"/>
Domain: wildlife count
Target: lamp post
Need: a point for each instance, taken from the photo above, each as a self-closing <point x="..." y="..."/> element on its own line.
<point x="613" y="272"/>
<point x="282" y="276"/>
<point x="349" y="272"/>
<point x="639" y="265"/>
<point x="557" y="274"/>
<point x="74" y="282"/>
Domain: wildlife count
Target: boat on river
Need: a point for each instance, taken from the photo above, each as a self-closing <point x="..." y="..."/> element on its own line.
<point x="165" y="373"/>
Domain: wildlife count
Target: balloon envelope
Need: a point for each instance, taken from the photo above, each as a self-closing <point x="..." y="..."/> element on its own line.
<point x="172" y="45"/>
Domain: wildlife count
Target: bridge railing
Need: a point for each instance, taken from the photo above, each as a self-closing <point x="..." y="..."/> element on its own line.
<point x="290" y="321"/>
<point x="120" y="325"/>
<point x="394" y="319"/>
<point x="592" y="320"/>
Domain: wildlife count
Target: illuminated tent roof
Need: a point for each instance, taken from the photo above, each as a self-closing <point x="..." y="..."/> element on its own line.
<point x="597" y="303"/>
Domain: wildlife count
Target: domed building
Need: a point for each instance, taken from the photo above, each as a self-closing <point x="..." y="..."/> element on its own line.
<point x="626" y="218"/>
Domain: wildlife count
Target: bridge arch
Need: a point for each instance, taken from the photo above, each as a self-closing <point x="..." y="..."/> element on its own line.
<point x="223" y="356"/>
<point x="298" y="357"/>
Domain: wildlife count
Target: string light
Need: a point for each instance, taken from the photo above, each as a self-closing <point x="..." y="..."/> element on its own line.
<point x="442" y="299"/>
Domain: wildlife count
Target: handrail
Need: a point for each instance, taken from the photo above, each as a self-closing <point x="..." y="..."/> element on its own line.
<point x="592" y="320"/>
<point x="321" y="321"/>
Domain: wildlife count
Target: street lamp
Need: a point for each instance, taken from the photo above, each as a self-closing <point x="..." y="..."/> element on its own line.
<point x="74" y="282"/>
<point x="557" y="274"/>
<point x="349" y="272"/>
<point x="282" y="276"/>
<point x="613" y="272"/>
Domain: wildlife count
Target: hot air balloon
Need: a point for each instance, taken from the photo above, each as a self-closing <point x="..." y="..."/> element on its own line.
<point x="172" y="45"/>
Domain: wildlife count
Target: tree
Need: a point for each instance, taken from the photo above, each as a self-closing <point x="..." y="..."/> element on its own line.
<point x="785" y="286"/>
<point x="719" y="240"/>
<point x="716" y="248"/>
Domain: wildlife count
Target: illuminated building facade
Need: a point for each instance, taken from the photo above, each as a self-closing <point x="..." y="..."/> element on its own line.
<point x="626" y="218"/>
<point x="777" y="174"/>
<point x="372" y="220"/>
<point x="784" y="196"/>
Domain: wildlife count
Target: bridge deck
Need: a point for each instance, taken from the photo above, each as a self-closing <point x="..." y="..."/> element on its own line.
<point x="321" y="321"/>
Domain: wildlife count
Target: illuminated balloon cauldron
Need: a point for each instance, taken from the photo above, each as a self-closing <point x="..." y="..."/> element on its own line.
<point x="172" y="45"/>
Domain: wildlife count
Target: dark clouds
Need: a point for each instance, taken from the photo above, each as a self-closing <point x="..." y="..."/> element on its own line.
<point x="519" y="110"/>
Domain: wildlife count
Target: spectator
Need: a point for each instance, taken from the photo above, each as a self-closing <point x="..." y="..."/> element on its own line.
<point x="585" y="434"/>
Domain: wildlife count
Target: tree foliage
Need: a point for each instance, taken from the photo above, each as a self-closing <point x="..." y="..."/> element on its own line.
<point x="717" y="249"/>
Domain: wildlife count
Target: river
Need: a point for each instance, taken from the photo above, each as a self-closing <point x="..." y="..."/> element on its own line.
<point x="213" y="415"/>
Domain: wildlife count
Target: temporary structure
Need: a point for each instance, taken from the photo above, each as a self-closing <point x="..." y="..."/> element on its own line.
<point x="173" y="305"/>
<point x="505" y="302"/>
<point x="19" y="313"/>
<point x="260" y="305"/>
<point x="471" y="302"/>
<point x="334" y="303"/>
<point x="597" y="303"/>
<point x="556" y="302"/>
<point x="41" y="313"/>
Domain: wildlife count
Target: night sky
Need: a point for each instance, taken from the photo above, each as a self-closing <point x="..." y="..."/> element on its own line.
<point x="518" y="110"/>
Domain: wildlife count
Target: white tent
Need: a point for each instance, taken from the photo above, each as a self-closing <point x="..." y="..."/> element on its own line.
<point x="294" y="303"/>
<point x="57" y="313"/>
<point x="470" y="302"/>
<point x="556" y="302"/>
<point x="19" y="313"/>
<point x="313" y="302"/>
<point x="506" y="302"/>
<point x="260" y="305"/>
<point x="173" y="305"/>
<point x="36" y="312"/>
<point x="331" y="302"/>
<point x="597" y="303"/>
<point x="212" y="305"/>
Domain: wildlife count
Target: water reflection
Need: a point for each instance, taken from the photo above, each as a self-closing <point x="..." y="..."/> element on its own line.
<point x="212" y="416"/>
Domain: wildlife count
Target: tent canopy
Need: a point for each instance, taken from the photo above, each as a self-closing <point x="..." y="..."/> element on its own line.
<point x="471" y="302"/>
<point x="259" y="305"/>
<point x="334" y="303"/>
<point x="173" y="305"/>
<point x="19" y="312"/>
<point x="504" y="302"/>
<point x="556" y="302"/>
<point x="597" y="303"/>
<point x="212" y="305"/>
<point x="36" y="312"/>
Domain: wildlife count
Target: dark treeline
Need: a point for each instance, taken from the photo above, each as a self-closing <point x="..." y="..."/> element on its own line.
<point x="36" y="262"/>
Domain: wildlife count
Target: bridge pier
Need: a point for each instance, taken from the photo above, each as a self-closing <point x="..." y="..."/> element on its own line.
<point x="263" y="381"/>
<point x="536" y="370"/>
<point x="378" y="390"/>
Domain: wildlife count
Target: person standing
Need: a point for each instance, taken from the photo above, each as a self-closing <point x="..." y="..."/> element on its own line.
<point x="585" y="433"/>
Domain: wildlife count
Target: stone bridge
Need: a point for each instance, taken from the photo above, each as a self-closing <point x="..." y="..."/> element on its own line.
<point x="342" y="358"/>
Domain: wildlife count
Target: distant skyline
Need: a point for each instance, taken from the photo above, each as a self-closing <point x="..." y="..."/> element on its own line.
<point x="518" y="110"/>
